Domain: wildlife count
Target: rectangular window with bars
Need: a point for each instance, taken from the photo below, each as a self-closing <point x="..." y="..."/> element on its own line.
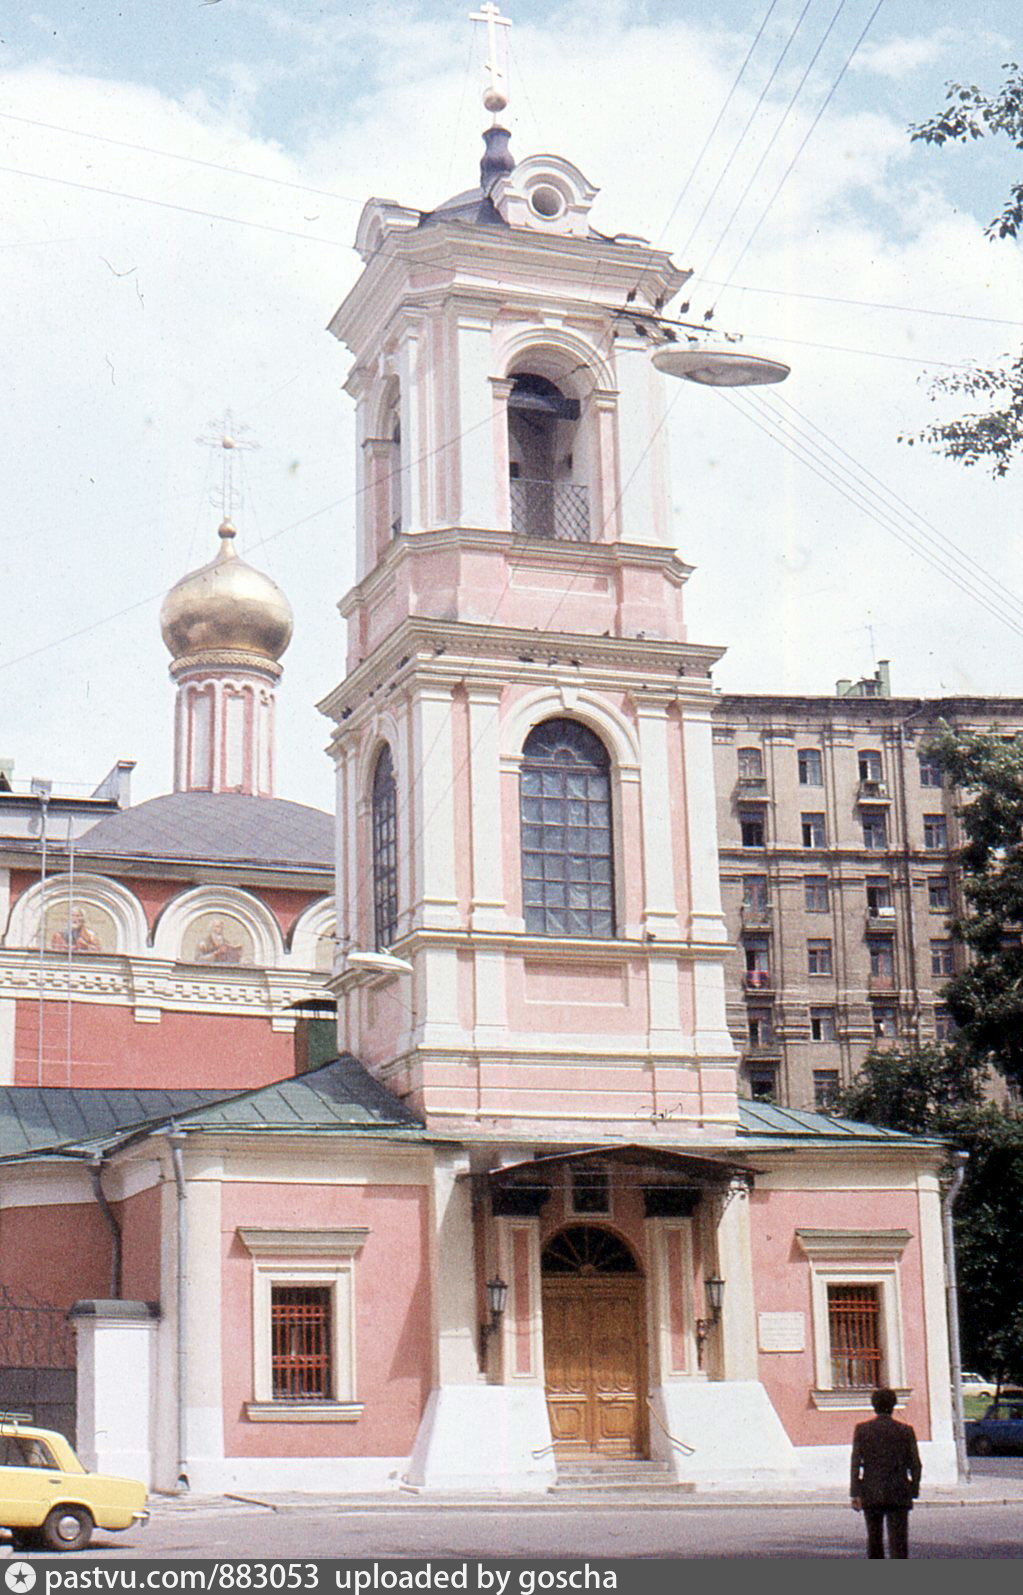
<point x="854" y="1333"/>
<point x="300" y="1338"/>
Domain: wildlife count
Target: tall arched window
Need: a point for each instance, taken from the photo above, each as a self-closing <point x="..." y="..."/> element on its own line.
<point x="565" y="812"/>
<point x="385" y="851"/>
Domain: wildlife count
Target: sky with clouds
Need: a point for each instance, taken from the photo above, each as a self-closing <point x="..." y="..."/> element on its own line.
<point x="181" y="183"/>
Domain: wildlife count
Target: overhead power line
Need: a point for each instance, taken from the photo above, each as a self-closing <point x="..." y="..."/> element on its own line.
<point x="824" y="466"/>
<point x="769" y="146"/>
<point x="804" y="142"/>
<point x="698" y="162"/>
<point x="175" y="155"/>
<point x="861" y="304"/>
<point x="748" y="124"/>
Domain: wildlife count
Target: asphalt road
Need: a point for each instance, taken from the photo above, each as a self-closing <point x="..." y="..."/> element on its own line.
<point x="546" y="1531"/>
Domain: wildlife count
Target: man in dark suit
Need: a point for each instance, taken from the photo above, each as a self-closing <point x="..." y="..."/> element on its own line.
<point x="885" y="1476"/>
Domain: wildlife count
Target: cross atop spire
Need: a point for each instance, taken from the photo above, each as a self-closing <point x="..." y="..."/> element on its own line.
<point x="495" y="95"/>
<point x="224" y="435"/>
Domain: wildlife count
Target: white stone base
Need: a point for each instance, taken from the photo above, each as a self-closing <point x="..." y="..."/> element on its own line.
<point x="264" y="1476"/>
<point x="827" y="1466"/>
<point x="737" y="1437"/>
<point x="483" y="1438"/>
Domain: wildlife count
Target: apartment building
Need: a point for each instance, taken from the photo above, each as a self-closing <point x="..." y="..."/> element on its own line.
<point x="837" y="837"/>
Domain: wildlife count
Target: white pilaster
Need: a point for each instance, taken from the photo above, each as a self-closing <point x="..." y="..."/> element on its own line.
<point x="642" y="513"/>
<point x="738" y="1328"/>
<point x="660" y="910"/>
<point x="204" y="1385"/>
<point x="8" y="1012"/>
<point x="488" y="910"/>
<point x="435" y="816"/>
<point x="707" y="922"/>
<point x="413" y="415"/>
<point x="475" y="429"/>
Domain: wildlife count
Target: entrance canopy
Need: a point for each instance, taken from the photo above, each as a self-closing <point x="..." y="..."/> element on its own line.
<point x="672" y="1182"/>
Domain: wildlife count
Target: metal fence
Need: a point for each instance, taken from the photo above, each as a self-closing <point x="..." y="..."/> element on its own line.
<point x="557" y="510"/>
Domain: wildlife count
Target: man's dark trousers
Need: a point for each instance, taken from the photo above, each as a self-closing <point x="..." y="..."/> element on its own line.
<point x="898" y="1530"/>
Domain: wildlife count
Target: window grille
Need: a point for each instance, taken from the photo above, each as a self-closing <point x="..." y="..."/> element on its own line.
<point x="854" y="1328"/>
<point x="385" y="851"/>
<point x="556" y="510"/>
<point x="565" y="814"/>
<point x="300" y="1343"/>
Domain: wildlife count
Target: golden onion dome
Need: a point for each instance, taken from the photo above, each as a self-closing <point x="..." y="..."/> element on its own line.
<point x="226" y="607"/>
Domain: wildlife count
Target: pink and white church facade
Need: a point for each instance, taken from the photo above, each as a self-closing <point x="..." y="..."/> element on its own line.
<point x="533" y="1223"/>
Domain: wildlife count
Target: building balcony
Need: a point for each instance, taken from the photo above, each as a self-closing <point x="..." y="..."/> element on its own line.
<point x="873" y="792"/>
<point x="879" y="983"/>
<point x="758" y="980"/>
<point x="558" y="511"/>
<point x="751" y="788"/>
<point x="762" y="1051"/>
<point x="755" y="916"/>
<point x="881" y="918"/>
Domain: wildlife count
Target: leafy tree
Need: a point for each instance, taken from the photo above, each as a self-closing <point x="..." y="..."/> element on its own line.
<point x="993" y="436"/>
<point x="986" y="998"/>
<point x="936" y="1091"/>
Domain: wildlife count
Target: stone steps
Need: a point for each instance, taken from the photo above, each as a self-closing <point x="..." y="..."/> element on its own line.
<point x="592" y="1478"/>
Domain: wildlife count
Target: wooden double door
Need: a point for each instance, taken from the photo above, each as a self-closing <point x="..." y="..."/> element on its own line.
<point x="594" y="1335"/>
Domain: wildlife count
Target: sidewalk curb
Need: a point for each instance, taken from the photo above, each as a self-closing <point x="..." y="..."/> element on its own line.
<point x="496" y="1505"/>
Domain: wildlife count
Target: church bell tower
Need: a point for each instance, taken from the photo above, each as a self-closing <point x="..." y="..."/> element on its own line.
<point x="522" y="739"/>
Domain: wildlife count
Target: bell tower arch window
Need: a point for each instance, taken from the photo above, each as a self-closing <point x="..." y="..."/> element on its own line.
<point x="385" y="851"/>
<point x="549" y="497"/>
<point x="565" y="816"/>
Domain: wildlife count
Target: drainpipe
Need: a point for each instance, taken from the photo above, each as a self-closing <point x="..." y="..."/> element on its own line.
<point x="952" y="1190"/>
<point x="96" y="1175"/>
<point x="176" y="1140"/>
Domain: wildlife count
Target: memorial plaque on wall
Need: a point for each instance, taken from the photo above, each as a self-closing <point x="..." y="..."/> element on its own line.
<point x="781" y="1331"/>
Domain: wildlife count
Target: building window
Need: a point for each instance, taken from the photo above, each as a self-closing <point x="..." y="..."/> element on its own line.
<point x="589" y="1191"/>
<point x="757" y="953"/>
<point x="815" y="894"/>
<point x="751" y="764"/>
<point x="939" y="894"/>
<point x="931" y="773"/>
<point x="882" y="957"/>
<point x="869" y="764"/>
<point x="813" y="830"/>
<point x="754" y="893"/>
<point x="818" y="958"/>
<point x="854" y="1334"/>
<point x="875" y="832"/>
<point x="385" y="851"/>
<point x="879" y="895"/>
<point x="303" y="1323"/>
<point x="886" y="1021"/>
<point x="826" y="1086"/>
<point x="763" y="1082"/>
<point x="857" y="1317"/>
<point x="935" y="832"/>
<point x="822" y="1024"/>
<point x="565" y="812"/>
<point x="300" y="1335"/>
<point x="942" y="958"/>
<point x="760" y="1022"/>
<point x="944" y="1025"/>
<point x="810" y="771"/>
<point x="751" y="827"/>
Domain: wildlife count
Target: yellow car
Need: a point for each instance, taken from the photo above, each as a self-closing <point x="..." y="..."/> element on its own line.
<point x="49" y="1501"/>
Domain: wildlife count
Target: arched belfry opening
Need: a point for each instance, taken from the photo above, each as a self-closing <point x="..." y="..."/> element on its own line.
<point x="549" y="493"/>
<point x="595" y="1363"/>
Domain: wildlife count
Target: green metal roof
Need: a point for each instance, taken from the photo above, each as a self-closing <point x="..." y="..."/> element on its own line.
<point x="767" y="1123"/>
<point x="339" y="1095"/>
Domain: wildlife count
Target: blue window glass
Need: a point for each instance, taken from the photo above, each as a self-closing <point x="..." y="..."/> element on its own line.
<point x="565" y="815"/>
<point x="385" y="851"/>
